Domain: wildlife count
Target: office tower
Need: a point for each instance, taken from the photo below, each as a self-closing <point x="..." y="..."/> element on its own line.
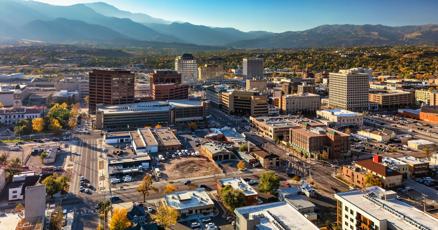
<point x="348" y="89"/>
<point x="210" y="72"/>
<point x="187" y="66"/>
<point x="253" y="68"/>
<point x="166" y="85"/>
<point x="110" y="87"/>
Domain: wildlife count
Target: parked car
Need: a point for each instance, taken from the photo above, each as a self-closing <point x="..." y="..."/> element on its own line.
<point x="115" y="199"/>
<point x="188" y="182"/>
<point x="195" y="224"/>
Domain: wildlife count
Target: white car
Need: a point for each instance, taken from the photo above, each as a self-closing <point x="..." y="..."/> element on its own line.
<point x="115" y="180"/>
<point x="127" y="179"/>
<point x="210" y="226"/>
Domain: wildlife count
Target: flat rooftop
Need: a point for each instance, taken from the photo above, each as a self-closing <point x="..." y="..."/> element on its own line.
<point x="239" y="184"/>
<point x="117" y="134"/>
<point x="413" y="160"/>
<point x="129" y="159"/>
<point x="375" y="208"/>
<point x="137" y="139"/>
<point x="188" y="199"/>
<point x="341" y="112"/>
<point x="151" y="106"/>
<point x="185" y="103"/>
<point x="279" y="121"/>
<point x="148" y="136"/>
<point x="10" y="220"/>
<point x="277" y="214"/>
<point x="166" y="137"/>
<point x="214" y="148"/>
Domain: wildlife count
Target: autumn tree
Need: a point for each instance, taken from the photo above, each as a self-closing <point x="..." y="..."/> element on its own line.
<point x="119" y="219"/>
<point x="192" y="126"/>
<point x="38" y="124"/>
<point x="241" y="165"/>
<point x="158" y="126"/>
<point x="145" y="186"/>
<point x="372" y="180"/>
<point x="3" y="159"/>
<point x="56" y="219"/>
<point x="169" y="188"/>
<point x="269" y="182"/>
<point x="19" y="208"/>
<point x="55" y="125"/>
<point x="231" y="197"/>
<point x="166" y="216"/>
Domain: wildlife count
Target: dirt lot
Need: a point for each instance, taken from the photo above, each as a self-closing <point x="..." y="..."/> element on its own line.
<point x="189" y="167"/>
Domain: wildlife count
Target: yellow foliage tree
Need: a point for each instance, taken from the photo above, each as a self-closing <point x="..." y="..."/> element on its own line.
<point x="55" y="125"/>
<point x="166" y="216"/>
<point x="241" y="165"/>
<point x="372" y="180"/>
<point x="158" y="126"/>
<point x="169" y="188"/>
<point x="145" y="186"/>
<point x="38" y="124"/>
<point x="119" y="219"/>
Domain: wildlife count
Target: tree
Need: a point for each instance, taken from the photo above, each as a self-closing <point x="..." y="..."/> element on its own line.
<point x="86" y="100"/>
<point x="56" y="219"/>
<point x="243" y="147"/>
<point x="3" y="159"/>
<point x="55" y="183"/>
<point x="23" y="127"/>
<point x="145" y="186"/>
<point x="14" y="166"/>
<point x="232" y="198"/>
<point x="72" y="122"/>
<point x="55" y="125"/>
<point x="241" y="165"/>
<point x="38" y="125"/>
<point x="166" y="216"/>
<point x="103" y="207"/>
<point x="119" y="219"/>
<point x="372" y="180"/>
<point x="169" y="188"/>
<point x="19" y="208"/>
<point x="1" y="105"/>
<point x="269" y="182"/>
<point x="158" y="126"/>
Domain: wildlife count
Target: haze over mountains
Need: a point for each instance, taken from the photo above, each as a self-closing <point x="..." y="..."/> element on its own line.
<point x="100" y="23"/>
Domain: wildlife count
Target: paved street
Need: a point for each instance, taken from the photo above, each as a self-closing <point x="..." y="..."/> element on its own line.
<point x="85" y="162"/>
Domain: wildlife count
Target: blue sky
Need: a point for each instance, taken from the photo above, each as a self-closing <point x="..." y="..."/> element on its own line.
<point x="281" y="15"/>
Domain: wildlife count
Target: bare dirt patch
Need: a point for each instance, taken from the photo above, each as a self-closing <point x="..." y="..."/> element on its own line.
<point x="190" y="167"/>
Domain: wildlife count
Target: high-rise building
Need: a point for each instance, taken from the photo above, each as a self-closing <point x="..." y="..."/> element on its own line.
<point x="210" y="72"/>
<point x="348" y="89"/>
<point x="252" y="68"/>
<point x="110" y="87"/>
<point x="300" y="103"/>
<point x="166" y="85"/>
<point x="187" y="66"/>
<point x="244" y="103"/>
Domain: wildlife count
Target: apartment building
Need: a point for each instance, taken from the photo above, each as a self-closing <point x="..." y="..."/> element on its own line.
<point x="348" y="89"/>
<point x="253" y="68"/>
<point x="110" y="87"/>
<point x="187" y="66"/>
<point x="167" y="85"/>
<point x="300" y="103"/>
<point x="427" y="97"/>
<point x="391" y="99"/>
<point x="244" y="103"/>
<point x="376" y="208"/>
<point x="13" y="115"/>
<point x="275" y="128"/>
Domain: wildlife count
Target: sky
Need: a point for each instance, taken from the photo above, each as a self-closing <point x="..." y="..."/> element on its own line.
<point x="280" y="15"/>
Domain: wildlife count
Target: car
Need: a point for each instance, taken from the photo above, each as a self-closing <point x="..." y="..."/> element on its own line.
<point x="206" y="187"/>
<point x="195" y="224"/>
<point x="210" y="226"/>
<point x="150" y="209"/>
<point x="81" y="189"/>
<point x="253" y="182"/>
<point x="115" y="199"/>
<point x="188" y="182"/>
<point x="206" y="219"/>
<point x="115" y="180"/>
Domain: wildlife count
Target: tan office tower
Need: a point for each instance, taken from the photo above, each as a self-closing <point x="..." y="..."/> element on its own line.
<point x="110" y="87"/>
<point x="348" y="89"/>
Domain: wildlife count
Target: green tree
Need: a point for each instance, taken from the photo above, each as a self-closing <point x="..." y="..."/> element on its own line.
<point x="232" y="198"/>
<point x="55" y="183"/>
<point x="103" y="208"/>
<point x="269" y="182"/>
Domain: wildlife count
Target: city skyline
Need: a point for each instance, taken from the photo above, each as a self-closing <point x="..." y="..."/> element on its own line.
<point x="261" y="15"/>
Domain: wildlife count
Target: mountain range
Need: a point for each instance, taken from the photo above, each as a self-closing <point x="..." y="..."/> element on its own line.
<point x="103" y="24"/>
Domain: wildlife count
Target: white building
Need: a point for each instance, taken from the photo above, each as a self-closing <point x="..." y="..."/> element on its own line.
<point x="341" y="117"/>
<point x="10" y="116"/>
<point x="19" y="183"/>
<point x="271" y="216"/>
<point x="397" y="165"/>
<point x="187" y="66"/>
<point x="421" y="145"/>
<point x="377" y="208"/>
<point x="190" y="204"/>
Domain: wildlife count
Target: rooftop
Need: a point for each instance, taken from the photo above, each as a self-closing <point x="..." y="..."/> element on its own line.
<point x="378" y="168"/>
<point x="188" y="199"/>
<point x="214" y="148"/>
<point x="185" y="103"/>
<point x="420" y="142"/>
<point x="166" y="137"/>
<point x="397" y="213"/>
<point x="151" y="106"/>
<point x="341" y="112"/>
<point x="239" y="184"/>
<point x="148" y="137"/>
<point x="278" y="215"/>
<point x="413" y="160"/>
